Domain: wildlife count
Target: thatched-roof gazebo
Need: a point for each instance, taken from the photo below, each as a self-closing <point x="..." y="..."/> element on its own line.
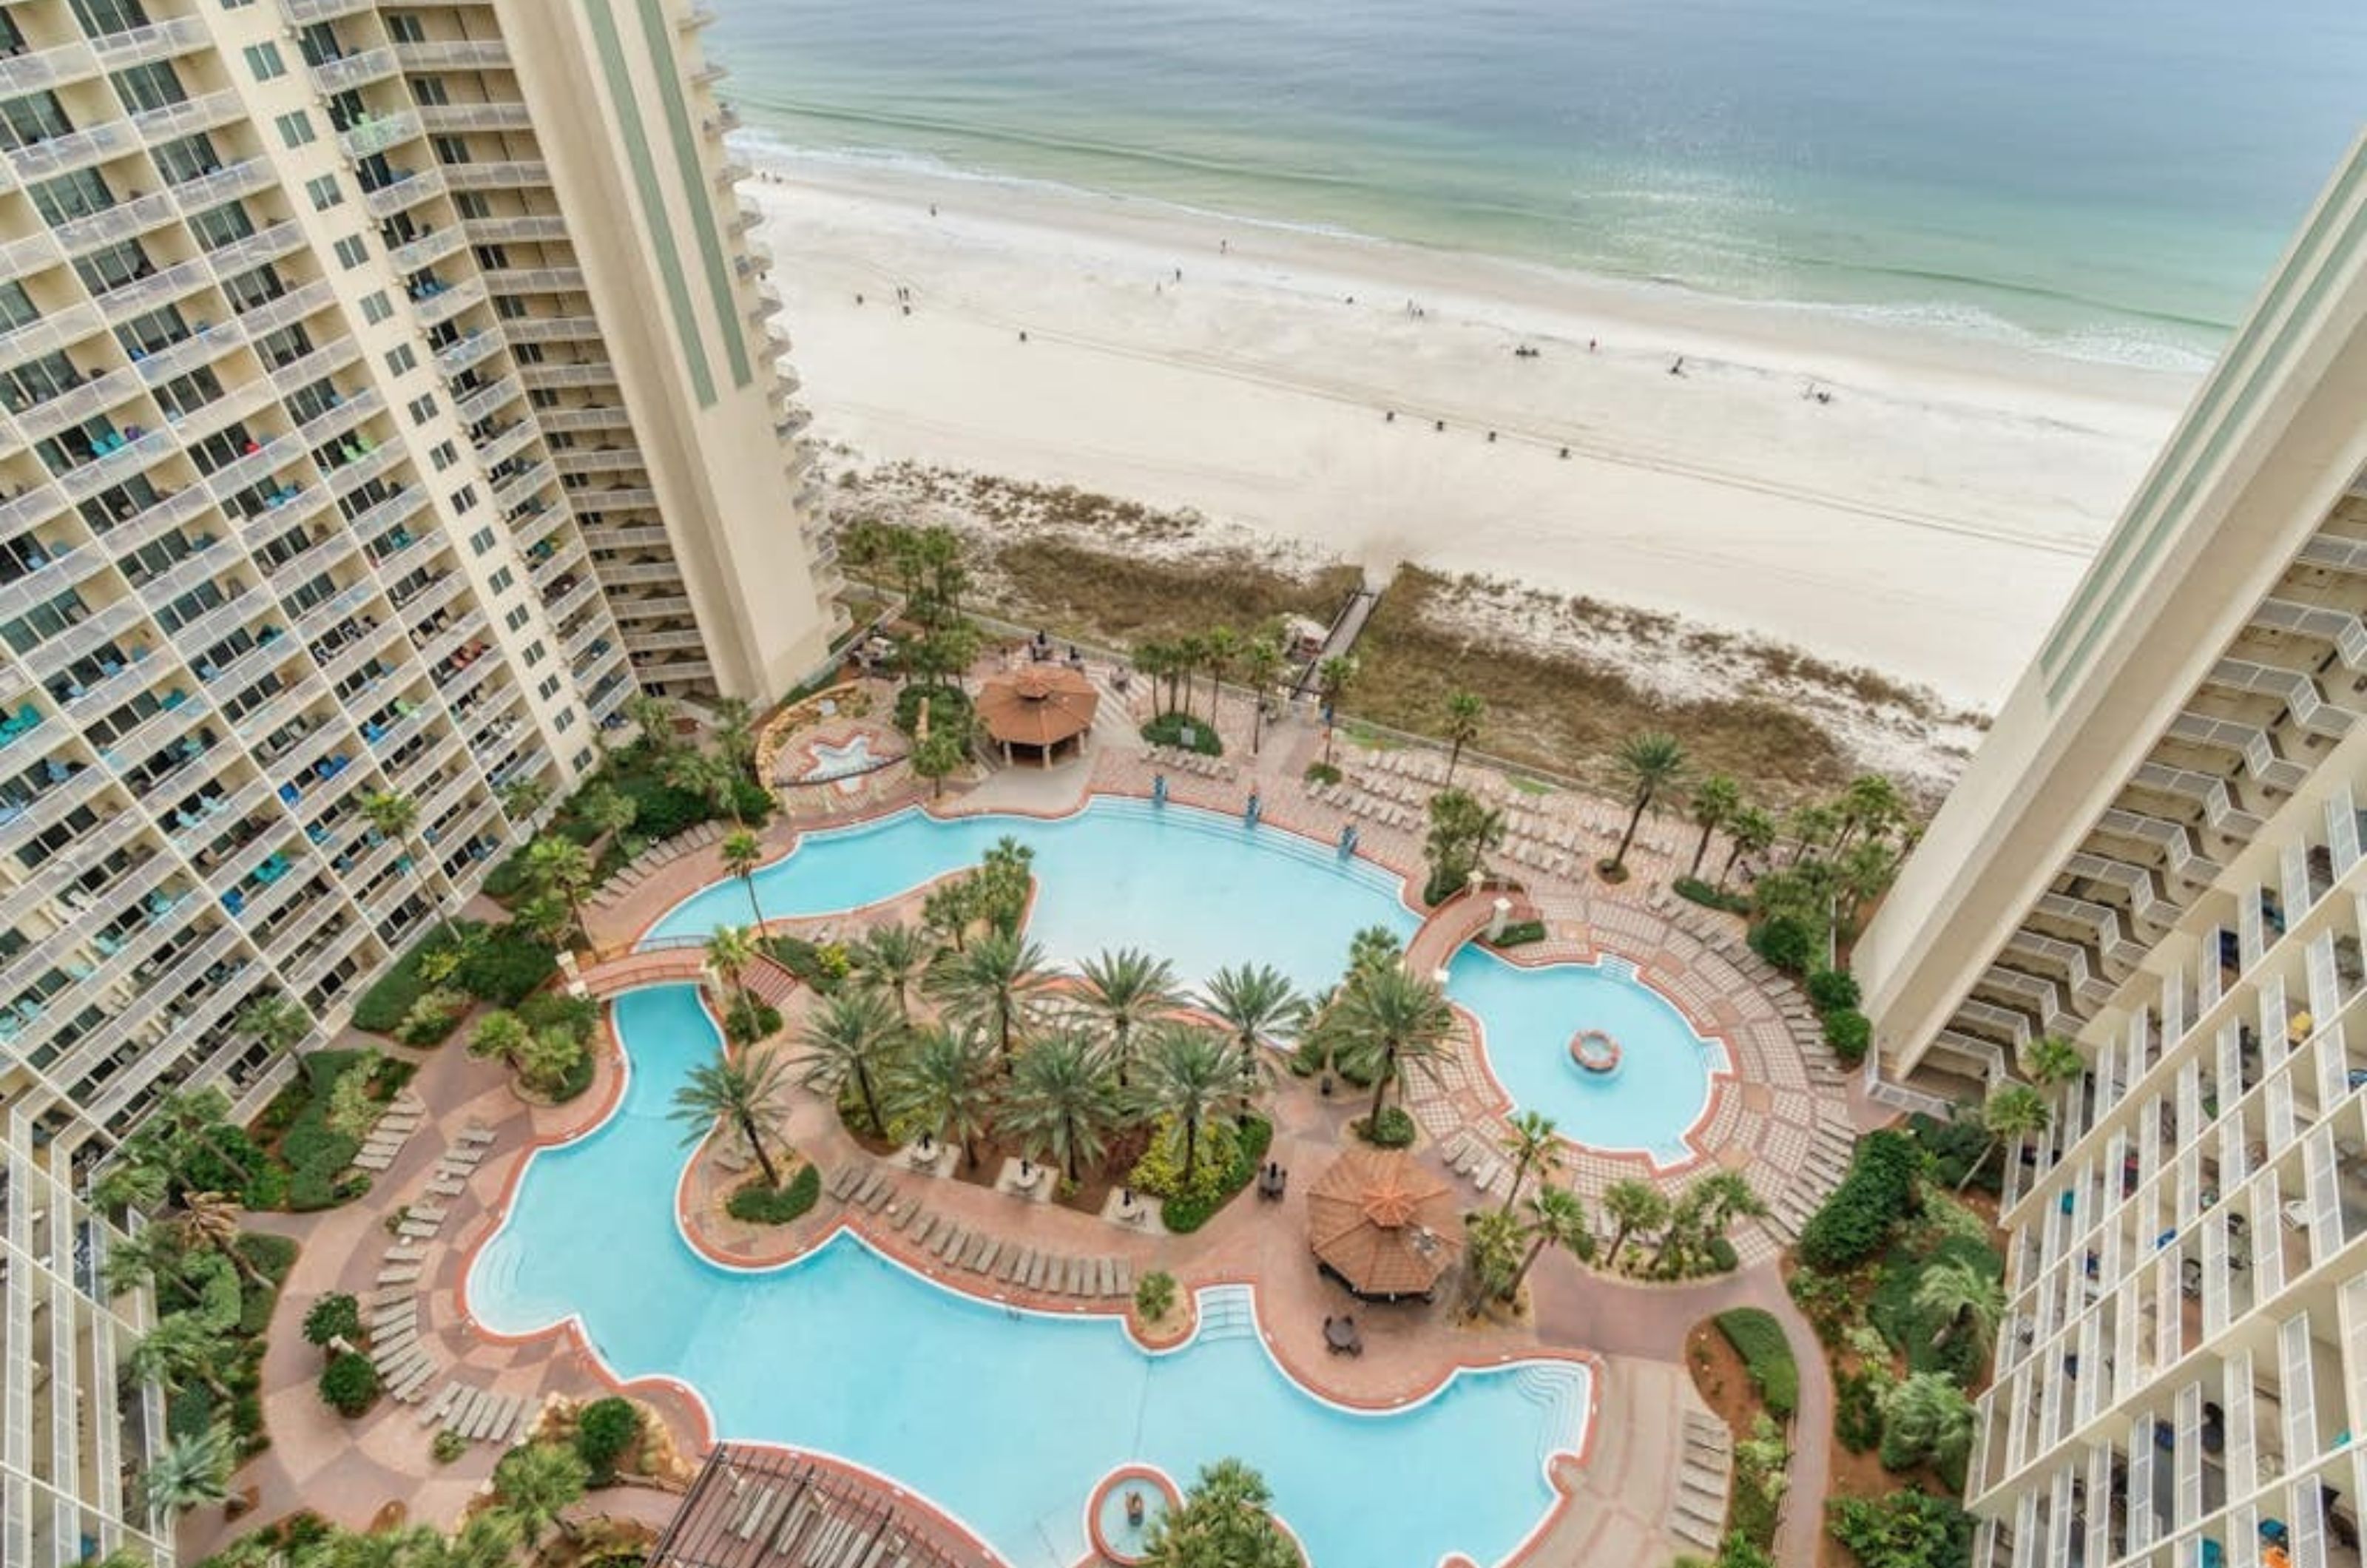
<point x="1382" y="1225"/>
<point x="1039" y="708"/>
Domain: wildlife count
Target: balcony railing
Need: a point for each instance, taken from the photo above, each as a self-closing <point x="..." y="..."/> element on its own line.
<point x="117" y="465"/>
<point x="121" y="51"/>
<point x="28" y="255"/>
<point x="293" y="306"/>
<point x="476" y="117"/>
<point x="120" y="222"/>
<point x="537" y="280"/>
<point x="119" y="304"/>
<point x="254" y="249"/>
<point x="413" y="185"/>
<point x="30" y="73"/>
<point x="539" y="228"/>
<point x="199" y="348"/>
<point x="485" y="177"/>
<point x="241" y="178"/>
<point x="334" y="76"/>
<point x="378" y="133"/>
<point x="446" y="303"/>
<point x="189" y="116"/>
<point x="453" y="54"/>
<point x="485" y="400"/>
<point x="302" y="11"/>
<point x="476" y="347"/>
<point x="59" y="154"/>
<point x="429" y="248"/>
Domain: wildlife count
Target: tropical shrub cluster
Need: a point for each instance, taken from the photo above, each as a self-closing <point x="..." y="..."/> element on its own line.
<point x="760" y="1204"/>
<point x="1858" y="1220"/>
<point x="1766" y="1355"/>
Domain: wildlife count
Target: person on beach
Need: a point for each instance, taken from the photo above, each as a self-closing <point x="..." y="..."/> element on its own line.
<point x="1677" y="366"/>
<point x="1022" y="334"/>
<point x="933" y="210"/>
<point x="1224" y="247"/>
<point x="1178" y="275"/>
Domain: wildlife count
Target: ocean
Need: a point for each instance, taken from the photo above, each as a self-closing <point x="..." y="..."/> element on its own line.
<point x="2109" y="179"/>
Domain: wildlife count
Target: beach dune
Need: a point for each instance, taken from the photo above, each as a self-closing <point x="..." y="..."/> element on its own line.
<point x="1875" y="492"/>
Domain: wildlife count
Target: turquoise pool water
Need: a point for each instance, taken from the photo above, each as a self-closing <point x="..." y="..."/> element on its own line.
<point x="1204" y="891"/>
<point x="1006" y="1420"/>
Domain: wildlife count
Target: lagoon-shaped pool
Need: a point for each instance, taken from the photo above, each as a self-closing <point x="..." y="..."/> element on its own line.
<point x="1006" y="1420"/>
<point x="1204" y="891"/>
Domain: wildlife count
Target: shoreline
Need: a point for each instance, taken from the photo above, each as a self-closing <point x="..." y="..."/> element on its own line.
<point x="1924" y="521"/>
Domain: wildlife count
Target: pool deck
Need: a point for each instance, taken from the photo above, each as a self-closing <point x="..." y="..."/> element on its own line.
<point x="1777" y="1120"/>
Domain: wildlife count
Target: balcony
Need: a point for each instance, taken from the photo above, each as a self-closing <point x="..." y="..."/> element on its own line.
<point x="497" y="175"/>
<point x="158" y="40"/>
<point x="78" y="404"/>
<point x="120" y="222"/>
<point x="36" y="506"/>
<point x="443" y="304"/>
<point x="115" y="467"/>
<point x="121" y="303"/>
<point x="268" y="317"/>
<point x="544" y="376"/>
<point x="353" y="71"/>
<point x="537" y="280"/>
<point x="410" y="187"/>
<point x="478" y="344"/>
<point x="453" y="54"/>
<point x="75" y="150"/>
<point x="428" y="248"/>
<point x="376" y="133"/>
<point x="232" y="180"/>
<point x="268" y="457"/>
<point x="476" y="117"/>
<point x="28" y="255"/>
<point x="300" y="12"/>
<point x="188" y="116"/>
<point x="394" y="509"/>
<point x="166" y="512"/>
<point x="301" y="372"/>
<point x="346" y="477"/>
<point x="505" y="443"/>
<point x="552" y="329"/>
<point x="200" y="347"/>
<point x="47" y="68"/>
<point x="603" y="417"/>
<point x="332" y="423"/>
<point x="254" y="249"/>
<point x="514" y="490"/>
<point x="486" y="400"/>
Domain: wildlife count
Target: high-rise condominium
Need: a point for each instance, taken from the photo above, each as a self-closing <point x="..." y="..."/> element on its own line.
<point x="390" y="392"/>
<point x="2158" y="855"/>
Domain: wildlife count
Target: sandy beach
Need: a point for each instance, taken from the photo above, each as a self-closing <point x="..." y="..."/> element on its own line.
<point x="1925" y="516"/>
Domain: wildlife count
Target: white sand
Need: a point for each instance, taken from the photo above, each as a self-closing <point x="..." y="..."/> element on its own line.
<point x="1929" y="522"/>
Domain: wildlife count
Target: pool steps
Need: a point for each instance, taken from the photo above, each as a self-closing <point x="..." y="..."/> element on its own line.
<point x="1227" y="1311"/>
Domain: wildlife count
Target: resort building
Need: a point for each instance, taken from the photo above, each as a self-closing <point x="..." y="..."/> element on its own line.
<point x="2158" y="854"/>
<point x="389" y="394"/>
<point x="71" y="1436"/>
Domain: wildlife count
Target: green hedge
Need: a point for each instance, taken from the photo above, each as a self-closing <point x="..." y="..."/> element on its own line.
<point x="384" y="1006"/>
<point x="1184" y="1215"/>
<point x="1785" y="942"/>
<point x="1759" y="1339"/>
<point x="1856" y="1222"/>
<point x="506" y="968"/>
<point x="1167" y="729"/>
<point x="348" y="1383"/>
<point x="1392" y="1129"/>
<point x="949" y="707"/>
<point x="1912" y="1331"/>
<point x="1832" y="988"/>
<point x="761" y="1205"/>
<point x="1709" y="897"/>
<point x="1955" y="1147"/>
<point x="1850" y="1033"/>
<point x="1520" y="933"/>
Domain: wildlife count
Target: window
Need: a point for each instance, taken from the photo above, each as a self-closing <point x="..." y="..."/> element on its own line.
<point x="405" y="27"/>
<point x="352" y="251"/>
<point x="450" y="149"/>
<point x="263" y="58"/>
<point x="517" y="619"/>
<point x="296" y="128"/>
<point x="377" y="307"/>
<point x="443" y="455"/>
<point x="481" y="541"/>
<point x="401" y="361"/>
<point x="548" y="689"/>
<point x="149" y="86"/>
<point x="34" y="119"/>
<point x="325" y="192"/>
<point x="472" y="204"/>
<point x="464" y="499"/>
<point x="501" y="581"/>
<point x="565" y="721"/>
<point x="424" y="89"/>
<point x="534" y="654"/>
<point x="217" y="227"/>
<point x="422" y="409"/>
<point x="69" y="197"/>
<point x="509" y="308"/>
<point x="186" y="158"/>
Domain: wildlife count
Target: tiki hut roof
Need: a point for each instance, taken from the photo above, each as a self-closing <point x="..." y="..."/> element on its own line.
<point x="1038" y="704"/>
<point x="1386" y="1226"/>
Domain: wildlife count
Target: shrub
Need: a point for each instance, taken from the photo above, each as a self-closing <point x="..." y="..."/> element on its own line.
<point x="269" y="1256"/>
<point x="1955" y="1147"/>
<point x="1766" y="1355"/>
<point x="1849" y="1033"/>
<point x="1708" y="897"/>
<point x="748" y="1020"/>
<point x="505" y="966"/>
<point x="1392" y="1129"/>
<point x="949" y="707"/>
<point x="1154" y="1294"/>
<point x="1856" y="1221"/>
<point x="1911" y="1330"/>
<point x="819" y="968"/>
<point x="385" y="1004"/>
<point x="448" y="1446"/>
<point x="556" y="1009"/>
<point x="1857" y="1413"/>
<point x="1184" y="1215"/>
<point x="1159" y="1170"/>
<point x="216" y="1163"/>
<point x="1902" y="1530"/>
<point x="604" y="1430"/>
<point x="1168" y="729"/>
<point x="348" y="1383"/>
<point x="333" y="1316"/>
<point x="578" y="1078"/>
<point x="760" y="1205"/>
<point x="1831" y="988"/>
<point x="1520" y="933"/>
<point x="1721" y="1259"/>
<point x="1785" y="941"/>
<point x="434" y="1017"/>
<point x="1322" y="773"/>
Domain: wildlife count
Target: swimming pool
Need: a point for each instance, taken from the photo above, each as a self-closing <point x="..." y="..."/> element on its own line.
<point x="1006" y="1420"/>
<point x="843" y="765"/>
<point x="1204" y="891"/>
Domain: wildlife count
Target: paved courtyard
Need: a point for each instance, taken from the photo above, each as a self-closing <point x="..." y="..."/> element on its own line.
<point x="1786" y="1116"/>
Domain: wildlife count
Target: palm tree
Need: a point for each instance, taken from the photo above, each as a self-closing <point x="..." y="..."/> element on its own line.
<point x="735" y="733"/>
<point x="1191" y="652"/>
<point x="944" y="1086"/>
<point x="1492" y="1255"/>
<point x="1704" y="1211"/>
<point x="653" y="717"/>
<point x="208" y="1223"/>
<point x="489" y="1540"/>
<point x="561" y="868"/>
<point x="1531" y="1145"/>
<point x="1970" y="1299"/>
<point x="1467" y="713"/>
<point x="536" y="1483"/>
<point x="746" y="1093"/>
<point x="181" y="1350"/>
<point x="1647" y="764"/>
<point x="1223" y="649"/>
<point x="892" y="958"/>
<point x="1386" y="1020"/>
<point x="1253" y="1002"/>
<point x="521" y="799"/>
<point x="150" y="1257"/>
<point x="743" y="851"/>
<point x="992" y="986"/>
<point x="501" y="1035"/>
<point x="1262" y="665"/>
<point x="1633" y="1206"/>
<point x="274" y="1020"/>
<point x="1062" y="1100"/>
<point x="133" y="1181"/>
<point x="1188" y="1076"/>
<point x="715" y="778"/>
<point x="730" y="950"/>
<point x="1556" y="1218"/>
<point x="1871" y="803"/>
<point x="1126" y="988"/>
<point x="189" y="1473"/>
<point x="1926" y="1414"/>
<point x="1716" y="800"/>
<point x="2051" y="1060"/>
<point x="854" y="1037"/>
<point x="396" y="817"/>
<point x="1333" y="679"/>
<point x="2011" y="1113"/>
<point x="1749" y="831"/>
<point x="1810" y="826"/>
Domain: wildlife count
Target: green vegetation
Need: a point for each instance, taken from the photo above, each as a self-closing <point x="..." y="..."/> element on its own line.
<point x="349" y="1383"/>
<point x="1180" y="730"/>
<point x="1462" y="830"/>
<point x="1878" y="1195"/>
<point x="448" y="1446"/>
<point x="605" y="1431"/>
<point x="1186" y="1213"/>
<point x="1155" y="1295"/>
<point x="1759" y="1339"/>
<point x="1519" y="933"/>
<point x="1391" y="1127"/>
<point x="1903" y="1529"/>
<point x="1711" y="897"/>
<point x="1225" y="1521"/>
<point x="760" y="1204"/>
<point x="335" y="1315"/>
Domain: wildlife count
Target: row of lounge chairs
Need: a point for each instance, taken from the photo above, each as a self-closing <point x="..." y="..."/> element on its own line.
<point x="1705" y="1473"/>
<point x="1356" y="802"/>
<point x="958" y="1247"/>
<point x="656" y="855"/>
<point x="1193" y="763"/>
<point x="404" y="1363"/>
<point x="389" y="1132"/>
<point x="1468" y="1155"/>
